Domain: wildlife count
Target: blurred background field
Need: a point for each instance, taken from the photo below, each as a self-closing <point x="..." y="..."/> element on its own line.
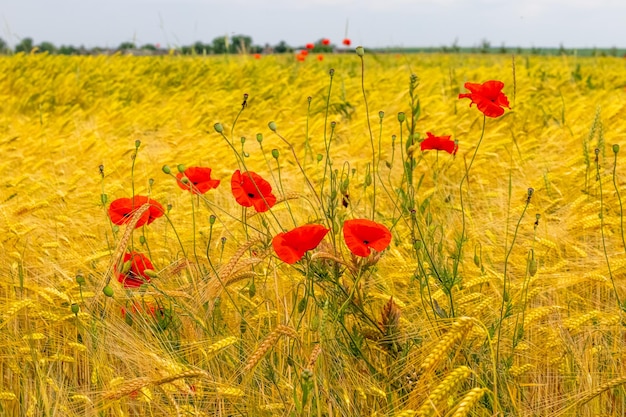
<point x="61" y="118"/>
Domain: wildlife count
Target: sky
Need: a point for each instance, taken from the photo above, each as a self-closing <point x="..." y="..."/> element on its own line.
<point x="370" y="23"/>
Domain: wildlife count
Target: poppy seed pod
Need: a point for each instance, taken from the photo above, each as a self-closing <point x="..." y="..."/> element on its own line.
<point x="401" y="117"/>
<point x="75" y="308"/>
<point x="360" y="51"/>
<point x="615" y="148"/>
<point x="181" y="168"/>
<point x="218" y="127"/>
<point x="166" y="169"/>
<point x="108" y="291"/>
<point x="275" y="153"/>
<point x="272" y="126"/>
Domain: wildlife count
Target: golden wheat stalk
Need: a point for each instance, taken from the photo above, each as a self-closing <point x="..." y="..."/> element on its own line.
<point x="227" y="269"/>
<point x="602" y="388"/>
<point x="127" y="389"/>
<point x="313" y="358"/>
<point x="267" y="344"/>
<point x="468" y="402"/>
<point x="443" y="390"/>
<point x="119" y="252"/>
<point x="458" y="331"/>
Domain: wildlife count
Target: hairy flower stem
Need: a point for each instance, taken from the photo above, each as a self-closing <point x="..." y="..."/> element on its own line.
<point x="619" y="198"/>
<point x="505" y="295"/>
<point x="461" y="241"/>
<point x="369" y="128"/>
<point x="606" y="255"/>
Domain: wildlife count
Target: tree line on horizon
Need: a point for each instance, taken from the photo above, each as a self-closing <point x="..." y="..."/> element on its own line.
<point x="242" y="44"/>
<point x="220" y="45"/>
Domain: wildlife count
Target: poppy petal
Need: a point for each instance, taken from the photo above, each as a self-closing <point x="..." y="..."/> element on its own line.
<point x="361" y="234"/>
<point x="291" y="246"/>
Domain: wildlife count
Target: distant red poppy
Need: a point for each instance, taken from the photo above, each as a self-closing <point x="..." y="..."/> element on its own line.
<point x="257" y="56"/>
<point x="347" y="42"/>
<point x="250" y="190"/>
<point x="304" y="52"/>
<point x="361" y="235"/>
<point x="135" y="276"/>
<point x="301" y="57"/>
<point x="439" y="143"/>
<point x="310" y="46"/>
<point x="199" y="180"/>
<point x="325" y="42"/>
<point x="123" y="209"/>
<point x="320" y="57"/>
<point x="291" y="246"/>
<point x="488" y="97"/>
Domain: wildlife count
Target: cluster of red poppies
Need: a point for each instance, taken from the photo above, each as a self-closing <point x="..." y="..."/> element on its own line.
<point x="489" y="99"/>
<point x="249" y="190"/>
<point x="302" y="54"/>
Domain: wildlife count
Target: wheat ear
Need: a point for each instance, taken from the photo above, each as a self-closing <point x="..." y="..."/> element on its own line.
<point x="468" y="402"/>
<point x="458" y="331"/>
<point x="119" y="251"/>
<point x="267" y="344"/>
<point x="442" y="391"/>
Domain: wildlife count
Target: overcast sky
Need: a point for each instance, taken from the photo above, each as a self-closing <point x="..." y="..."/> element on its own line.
<point x="371" y="23"/>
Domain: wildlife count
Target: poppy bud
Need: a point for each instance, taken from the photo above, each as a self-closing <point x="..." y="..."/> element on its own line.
<point x="212" y="218"/>
<point x="401" y="117"/>
<point x="104" y="198"/>
<point x="126" y="267"/>
<point x="381" y="114"/>
<point x="181" y="168"/>
<point x="108" y="291"/>
<point x="615" y="148"/>
<point x="80" y="279"/>
<point x="275" y="153"/>
<point x="142" y="239"/>
<point x="150" y="182"/>
<point x="360" y="51"/>
<point x="166" y="169"/>
<point x="137" y="144"/>
<point x="184" y="180"/>
<point x="218" y="127"/>
<point x="309" y="98"/>
<point x="169" y="207"/>
<point x="333" y="124"/>
<point x="532" y="267"/>
<point x="243" y="140"/>
<point x="151" y="273"/>
<point x="252" y="290"/>
<point x="128" y="318"/>
<point x="331" y="72"/>
<point x="320" y="157"/>
<point x="301" y="305"/>
<point x="272" y="126"/>
<point x="75" y="308"/>
<point x="259" y="137"/>
<point x="476" y="260"/>
<point x="368" y="179"/>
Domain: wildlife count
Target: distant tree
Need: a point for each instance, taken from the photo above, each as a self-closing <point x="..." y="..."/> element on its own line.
<point x="46" y="47"/>
<point x="562" y="50"/>
<point x="4" y="47"/>
<point x="503" y="49"/>
<point x="148" y="47"/>
<point x="485" y="46"/>
<point x="235" y="45"/>
<point x="25" y="45"/>
<point x="282" y="47"/>
<point x="126" y="45"/>
<point x="200" y="48"/>
<point x="68" y="50"/>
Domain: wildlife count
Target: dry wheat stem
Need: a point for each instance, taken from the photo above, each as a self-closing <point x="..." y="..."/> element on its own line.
<point x="119" y="251"/>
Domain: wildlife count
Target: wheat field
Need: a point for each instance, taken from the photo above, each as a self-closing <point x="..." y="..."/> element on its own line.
<point x="491" y="300"/>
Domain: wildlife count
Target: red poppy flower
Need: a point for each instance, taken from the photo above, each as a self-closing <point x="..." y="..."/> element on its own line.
<point x="291" y="246"/>
<point x="123" y="209"/>
<point x="347" y="42"/>
<point x="488" y="97"/>
<point x="325" y="42"/>
<point x="257" y="56"/>
<point x="250" y="190"/>
<point x="361" y="235"/>
<point x="439" y="143"/>
<point x="320" y="57"/>
<point x="135" y="276"/>
<point x="304" y="52"/>
<point x="310" y="46"/>
<point x="301" y="57"/>
<point x="199" y="179"/>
